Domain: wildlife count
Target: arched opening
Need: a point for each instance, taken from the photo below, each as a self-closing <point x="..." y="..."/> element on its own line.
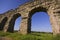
<point x="13" y="22"/>
<point x="40" y="22"/>
<point x="45" y="27"/>
<point x="2" y="24"/>
<point x="17" y="24"/>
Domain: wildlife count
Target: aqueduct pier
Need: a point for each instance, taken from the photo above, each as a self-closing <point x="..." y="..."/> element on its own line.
<point x="26" y="11"/>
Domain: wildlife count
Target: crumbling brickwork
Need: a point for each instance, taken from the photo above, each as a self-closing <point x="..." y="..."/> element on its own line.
<point x="26" y="11"/>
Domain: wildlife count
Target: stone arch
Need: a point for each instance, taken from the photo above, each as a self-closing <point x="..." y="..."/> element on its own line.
<point x="12" y="22"/>
<point x="38" y="9"/>
<point x="26" y="20"/>
<point x="50" y="12"/>
<point x="32" y="12"/>
<point x="27" y="10"/>
<point x="2" y="24"/>
<point x="35" y="6"/>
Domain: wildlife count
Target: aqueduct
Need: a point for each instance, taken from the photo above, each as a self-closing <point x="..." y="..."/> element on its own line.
<point x="26" y="11"/>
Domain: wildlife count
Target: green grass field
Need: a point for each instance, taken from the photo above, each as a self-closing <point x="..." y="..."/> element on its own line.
<point x="31" y="36"/>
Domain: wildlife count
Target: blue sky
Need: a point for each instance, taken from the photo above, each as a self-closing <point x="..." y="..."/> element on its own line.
<point x="40" y="20"/>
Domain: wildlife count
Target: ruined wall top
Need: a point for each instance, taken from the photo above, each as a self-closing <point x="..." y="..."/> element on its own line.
<point x="21" y="7"/>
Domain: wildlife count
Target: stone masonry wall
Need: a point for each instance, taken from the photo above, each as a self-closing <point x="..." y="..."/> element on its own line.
<point x="26" y="11"/>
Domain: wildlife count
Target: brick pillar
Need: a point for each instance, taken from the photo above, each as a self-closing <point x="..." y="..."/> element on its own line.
<point x="54" y="22"/>
<point x="55" y="26"/>
<point x="25" y="26"/>
<point x="2" y="22"/>
<point x="11" y="25"/>
<point x="7" y="25"/>
<point x="52" y="12"/>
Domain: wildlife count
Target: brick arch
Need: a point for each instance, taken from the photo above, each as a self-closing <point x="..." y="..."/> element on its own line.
<point x="38" y="9"/>
<point x="33" y="11"/>
<point x="52" y="7"/>
<point x="12" y="22"/>
<point x="33" y="7"/>
<point x="3" y="22"/>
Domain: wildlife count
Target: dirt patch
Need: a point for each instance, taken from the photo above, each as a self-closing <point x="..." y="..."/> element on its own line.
<point x="5" y="38"/>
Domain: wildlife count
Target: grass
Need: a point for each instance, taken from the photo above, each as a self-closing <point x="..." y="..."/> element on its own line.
<point x="31" y="36"/>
